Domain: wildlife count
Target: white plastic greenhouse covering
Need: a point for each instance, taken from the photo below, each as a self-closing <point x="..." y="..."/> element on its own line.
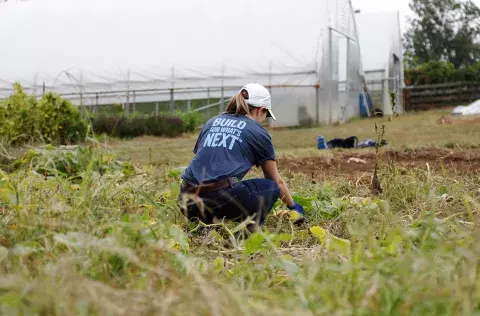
<point x="96" y="52"/>
<point x="383" y="72"/>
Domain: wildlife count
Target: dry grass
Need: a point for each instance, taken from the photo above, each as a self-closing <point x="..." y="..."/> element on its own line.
<point x="113" y="243"/>
<point x="407" y="132"/>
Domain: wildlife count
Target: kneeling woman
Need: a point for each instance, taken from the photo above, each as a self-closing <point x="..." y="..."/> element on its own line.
<point x="227" y="147"/>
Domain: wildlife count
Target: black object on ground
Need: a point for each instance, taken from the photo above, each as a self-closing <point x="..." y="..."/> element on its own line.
<point x="350" y="142"/>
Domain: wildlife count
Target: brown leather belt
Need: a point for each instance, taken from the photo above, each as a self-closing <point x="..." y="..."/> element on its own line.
<point x="187" y="187"/>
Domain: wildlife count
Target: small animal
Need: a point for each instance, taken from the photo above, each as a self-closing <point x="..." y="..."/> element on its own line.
<point x="349" y="142"/>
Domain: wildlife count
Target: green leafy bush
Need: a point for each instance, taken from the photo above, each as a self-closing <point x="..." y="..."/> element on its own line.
<point x="61" y="122"/>
<point x="23" y="119"/>
<point x="191" y="120"/>
<point x="441" y="72"/>
<point x="123" y="127"/>
<point x="106" y="124"/>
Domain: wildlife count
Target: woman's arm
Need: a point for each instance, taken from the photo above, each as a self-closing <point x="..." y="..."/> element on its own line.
<point x="270" y="171"/>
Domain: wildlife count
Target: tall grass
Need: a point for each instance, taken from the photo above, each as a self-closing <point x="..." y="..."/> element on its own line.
<point x="110" y="241"/>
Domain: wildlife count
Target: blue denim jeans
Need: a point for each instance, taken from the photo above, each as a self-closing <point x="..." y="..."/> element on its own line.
<point x="250" y="198"/>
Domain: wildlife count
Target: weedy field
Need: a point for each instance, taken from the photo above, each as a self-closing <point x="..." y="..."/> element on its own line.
<point x="95" y="230"/>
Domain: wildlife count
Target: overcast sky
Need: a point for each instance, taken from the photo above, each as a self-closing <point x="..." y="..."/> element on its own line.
<point x="381" y="5"/>
<point x="53" y="35"/>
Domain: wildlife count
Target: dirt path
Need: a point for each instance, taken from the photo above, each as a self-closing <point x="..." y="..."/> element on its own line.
<point x="343" y="164"/>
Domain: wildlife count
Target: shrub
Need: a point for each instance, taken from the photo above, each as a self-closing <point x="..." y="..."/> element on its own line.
<point x="441" y="72"/>
<point x="23" y="118"/>
<point x="61" y="122"/>
<point x="191" y="120"/>
<point x="123" y="127"/>
<point x="106" y="124"/>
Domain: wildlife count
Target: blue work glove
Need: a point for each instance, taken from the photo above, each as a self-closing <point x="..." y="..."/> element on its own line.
<point x="297" y="207"/>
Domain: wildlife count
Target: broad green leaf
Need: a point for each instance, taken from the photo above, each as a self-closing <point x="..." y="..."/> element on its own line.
<point x="304" y="201"/>
<point x="145" y="216"/>
<point x="215" y="235"/>
<point x="331" y="242"/>
<point x="320" y="233"/>
<point x="254" y="243"/>
<point x="174" y="190"/>
<point x="294" y="216"/>
<point x="179" y="237"/>
<point x="339" y="244"/>
<point x="393" y="241"/>
<point x="218" y="264"/>
<point x="283" y="237"/>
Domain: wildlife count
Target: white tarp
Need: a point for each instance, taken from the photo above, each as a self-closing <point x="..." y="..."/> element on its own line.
<point x="471" y="109"/>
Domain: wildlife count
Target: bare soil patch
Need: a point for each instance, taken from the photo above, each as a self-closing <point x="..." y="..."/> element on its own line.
<point x="353" y="164"/>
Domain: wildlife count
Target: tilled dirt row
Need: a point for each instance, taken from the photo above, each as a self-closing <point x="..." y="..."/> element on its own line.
<point x="353" y="164"/>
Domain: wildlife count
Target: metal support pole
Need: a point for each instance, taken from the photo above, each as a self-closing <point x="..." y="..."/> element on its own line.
<point x="222" y="101"/>
<point x="35" y="85"/>
<point x="317" y="103"/>
<point x="134" y="109"/>
<point x="82" y="107"/>
<point x="189" y="106"/>
<point x="330" y="75"/>
<point x="156" y="109"/>
<point x="96" y="103"/>
<point x="172" y="96"/>
<point x="347" y="85"/>
<point x="222" y="97"/>
<point x="172" y="101"/>
<point x="270" y="120"/>
<point x="127" y="106"/>
<point x="208" y="102"/>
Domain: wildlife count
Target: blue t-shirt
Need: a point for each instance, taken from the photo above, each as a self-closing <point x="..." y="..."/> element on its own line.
<point x="228" y="146"/>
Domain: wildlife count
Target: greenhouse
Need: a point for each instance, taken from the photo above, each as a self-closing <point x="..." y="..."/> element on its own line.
<point x="382" y="57"/>
<point x="136" y="53"/>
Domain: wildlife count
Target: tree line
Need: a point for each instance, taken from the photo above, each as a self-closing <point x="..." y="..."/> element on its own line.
<point x="442" y="42"/>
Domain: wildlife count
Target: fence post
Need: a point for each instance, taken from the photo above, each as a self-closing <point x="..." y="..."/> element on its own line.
<point x="189" y="108"/>
<point x="156" y="109"/>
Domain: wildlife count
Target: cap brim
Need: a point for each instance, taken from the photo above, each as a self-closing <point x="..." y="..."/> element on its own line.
<point x="270" y="114"/>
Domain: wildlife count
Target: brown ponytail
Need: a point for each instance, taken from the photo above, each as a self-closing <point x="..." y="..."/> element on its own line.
<point x="238" y="105"/>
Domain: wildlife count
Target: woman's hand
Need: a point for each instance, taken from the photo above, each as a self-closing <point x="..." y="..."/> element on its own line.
<point x="297" y="207"/>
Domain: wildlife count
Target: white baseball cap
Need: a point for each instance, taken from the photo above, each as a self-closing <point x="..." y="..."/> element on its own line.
<point x="259" y="96"/>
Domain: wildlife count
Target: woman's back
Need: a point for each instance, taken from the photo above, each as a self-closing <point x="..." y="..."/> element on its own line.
<point x="228" y="146"/>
